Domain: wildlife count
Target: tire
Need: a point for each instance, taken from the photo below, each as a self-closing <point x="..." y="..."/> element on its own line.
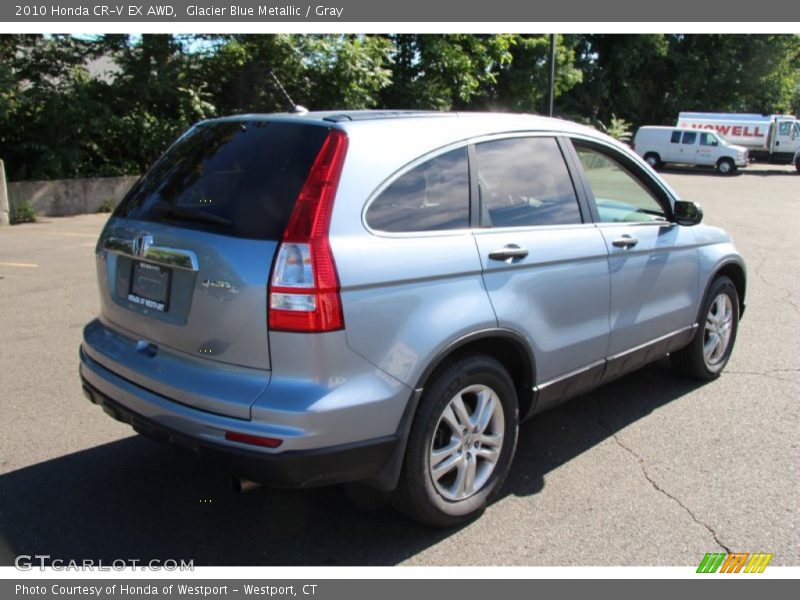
<point x="653" y="159"/>
<point x="447" y="431"/>
<point x="797" y="164"/>
<point x="703" y="358"/>
<point x="726" y="166"/>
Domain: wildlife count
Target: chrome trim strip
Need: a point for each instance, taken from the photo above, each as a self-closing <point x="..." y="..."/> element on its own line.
<point x="651" y="342"/>
<point x="598" y="363"/>
<point x="170" y="257"/>
<point x="578" y="371"/>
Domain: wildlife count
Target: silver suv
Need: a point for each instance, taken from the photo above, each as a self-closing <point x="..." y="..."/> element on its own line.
<point x="383" y="296"/>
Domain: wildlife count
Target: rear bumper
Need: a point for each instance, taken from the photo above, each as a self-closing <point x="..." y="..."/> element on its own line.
<point x="204" y="433"/>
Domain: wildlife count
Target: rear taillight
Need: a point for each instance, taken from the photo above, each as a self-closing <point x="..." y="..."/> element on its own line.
<point x="255" y="440"/>
<point x="304" y="286"/>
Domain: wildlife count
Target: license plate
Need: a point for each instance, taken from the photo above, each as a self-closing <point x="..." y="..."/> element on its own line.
<point x="150" y="286"/>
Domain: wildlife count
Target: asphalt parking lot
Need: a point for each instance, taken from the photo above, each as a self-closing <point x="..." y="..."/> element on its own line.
<point x="648" y="470"/>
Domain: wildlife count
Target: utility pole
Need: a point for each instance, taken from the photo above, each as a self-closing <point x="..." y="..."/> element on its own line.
<point x="551" y="87"/>
<point x="4" y="216"/>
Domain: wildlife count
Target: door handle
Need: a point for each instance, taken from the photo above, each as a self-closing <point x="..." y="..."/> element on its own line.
<point x="625" y="241"/>
<point x="509" y="253"/>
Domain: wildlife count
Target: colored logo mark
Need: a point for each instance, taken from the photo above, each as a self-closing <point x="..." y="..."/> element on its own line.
<point x="734" y="563"/>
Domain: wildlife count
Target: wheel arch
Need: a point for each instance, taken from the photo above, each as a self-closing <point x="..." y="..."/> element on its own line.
<point x="508" y="347"/>
<point x="734" y="271"/>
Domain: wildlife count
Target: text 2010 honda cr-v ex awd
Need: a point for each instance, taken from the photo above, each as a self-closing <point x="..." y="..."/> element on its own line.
<point x="383" y="296"/>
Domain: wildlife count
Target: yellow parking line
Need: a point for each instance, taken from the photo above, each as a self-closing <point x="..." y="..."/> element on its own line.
<point x="16" y="264"/>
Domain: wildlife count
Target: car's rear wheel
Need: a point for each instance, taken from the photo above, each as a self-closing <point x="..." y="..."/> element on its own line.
<point x="653" y="159"/>
<point x="708" y="353"/>
<point x="461" y="443"/>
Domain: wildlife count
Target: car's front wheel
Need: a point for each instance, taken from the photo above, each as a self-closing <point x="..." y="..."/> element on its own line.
<point x="461" y="443"/>
<point x="726" y="166"/>
<point x="708" y="353"/>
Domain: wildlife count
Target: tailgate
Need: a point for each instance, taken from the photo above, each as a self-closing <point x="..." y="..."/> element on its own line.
<point x="193" y="291"/>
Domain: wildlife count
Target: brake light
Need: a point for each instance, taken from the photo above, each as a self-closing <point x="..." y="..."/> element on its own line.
<point x="304" y="286"/>
<point x="255" y="440"/>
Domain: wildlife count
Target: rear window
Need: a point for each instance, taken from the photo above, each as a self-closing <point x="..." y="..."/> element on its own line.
<point x="433" y="196"/>
<point x="238" y="178"/>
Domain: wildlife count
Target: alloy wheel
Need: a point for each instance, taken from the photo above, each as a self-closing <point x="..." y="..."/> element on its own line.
<point x="466" y="442"/>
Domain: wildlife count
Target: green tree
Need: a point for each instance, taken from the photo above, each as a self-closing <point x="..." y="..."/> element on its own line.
<point x="626" y="75"/>
<point x="736" y="73"/>
<point x="46" y="126"/>
<point x="347" y="71"/>
<point x="320" y="71"/>
<point x="158" y="93"/>
<point x="524" y="79"/>
<point x="649" y="79"/>
<point x="443" y="72"/>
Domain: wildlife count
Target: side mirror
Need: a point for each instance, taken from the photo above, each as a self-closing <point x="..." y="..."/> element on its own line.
<point x="688" y="213"/>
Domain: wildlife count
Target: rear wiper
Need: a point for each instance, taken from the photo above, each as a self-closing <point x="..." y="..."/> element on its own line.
<point x="185" y="213"/>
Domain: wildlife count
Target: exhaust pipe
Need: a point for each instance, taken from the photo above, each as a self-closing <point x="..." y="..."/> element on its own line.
<point x="240" y="486"/>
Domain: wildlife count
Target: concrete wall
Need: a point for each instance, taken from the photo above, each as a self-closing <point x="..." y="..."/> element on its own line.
<point x="61" y="197"/>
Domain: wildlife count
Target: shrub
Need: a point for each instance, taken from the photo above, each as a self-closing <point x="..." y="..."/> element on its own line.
<point x="107" y="206"/>
<point x="23" y="213"/>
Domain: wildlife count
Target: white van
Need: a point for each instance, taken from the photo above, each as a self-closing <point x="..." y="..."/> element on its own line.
<point x="659" y="145"/>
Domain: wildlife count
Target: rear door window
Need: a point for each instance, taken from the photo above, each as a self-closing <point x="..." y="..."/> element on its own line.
<point x="525" y="182"/>
<point x="238" y="178"/>
<point x="689" y="137"/>
<point x="433" y="196"/>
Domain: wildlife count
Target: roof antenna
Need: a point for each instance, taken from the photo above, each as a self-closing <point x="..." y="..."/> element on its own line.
<point x="296" y="109"/>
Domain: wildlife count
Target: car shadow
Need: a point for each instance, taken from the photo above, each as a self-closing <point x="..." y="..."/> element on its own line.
<point x="134" y="498"/>
<point x="698" y="170"/>
<point x="774" y="171"/>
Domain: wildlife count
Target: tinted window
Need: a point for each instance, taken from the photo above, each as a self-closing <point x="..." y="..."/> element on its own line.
<point x="689" y="137"/>
<point x="708" y="139"/>
<point x="618" y="194"/>
<point x="430" y="197"/>
<point x="232" y="177"/>
<point x="676" y="137"/>
<point x="524" y="182"/>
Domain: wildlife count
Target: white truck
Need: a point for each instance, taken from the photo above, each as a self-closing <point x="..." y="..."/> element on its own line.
<point x="772" y="138"/>
<point x="660" y="145"/>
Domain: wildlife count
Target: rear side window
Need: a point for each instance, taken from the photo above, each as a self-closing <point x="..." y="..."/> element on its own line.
<point x="238" y="178"/>
<point x="525" y="182"/>
<point x="676" y="137"/>
<point x="433" y="196"/>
